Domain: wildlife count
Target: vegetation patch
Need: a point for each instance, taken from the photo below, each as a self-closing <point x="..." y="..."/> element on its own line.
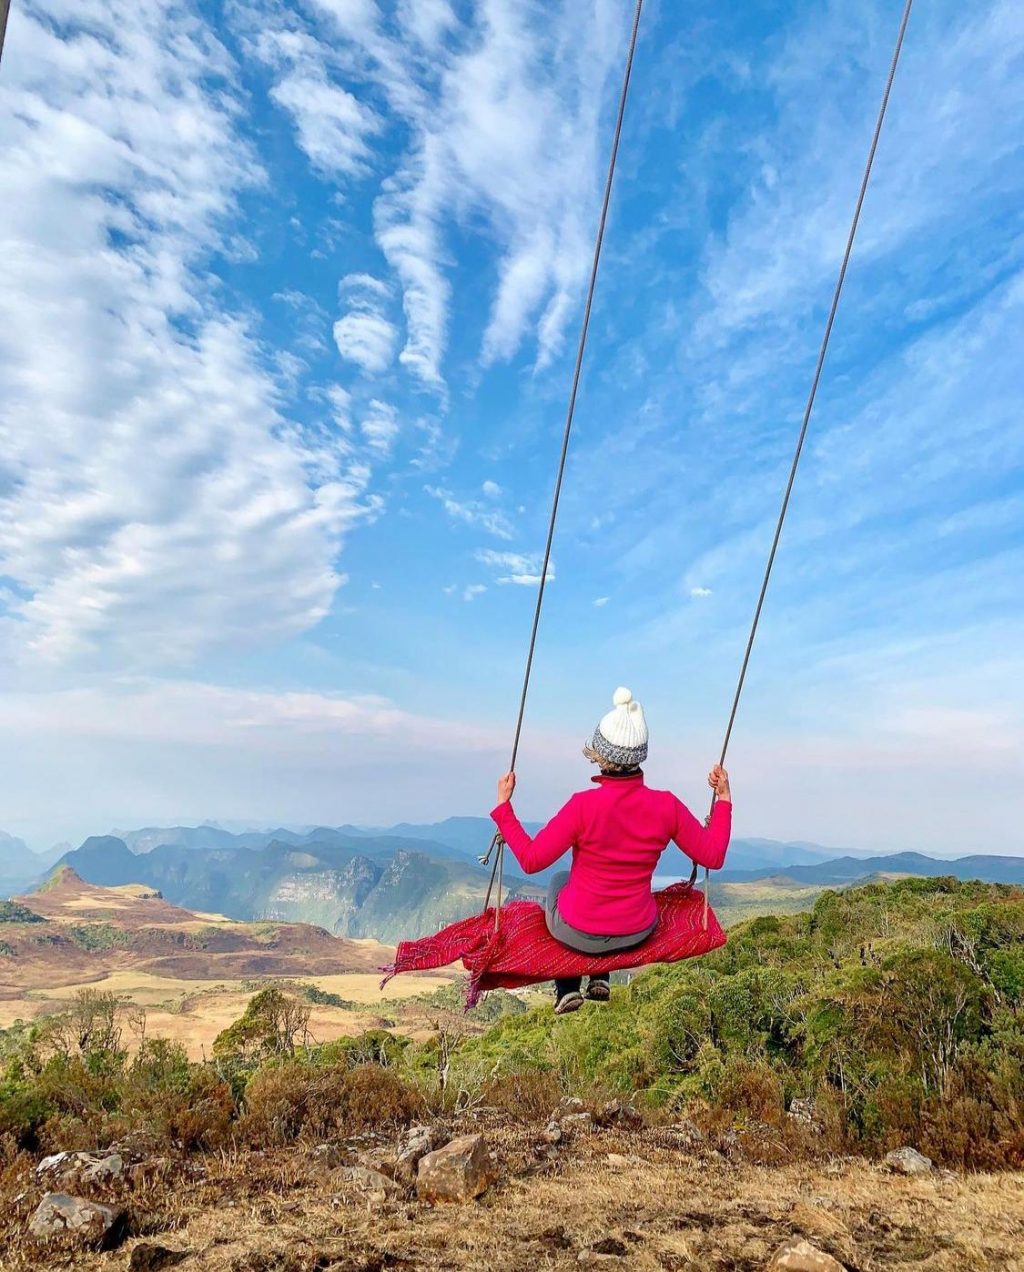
<point x="98" y="936"/>
<point x="887" y="1015"/>
<point x="15" y="912"/>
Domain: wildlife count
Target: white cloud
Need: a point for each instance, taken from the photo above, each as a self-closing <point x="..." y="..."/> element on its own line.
<point x="427" y="20"/>
<point x="366" y="339"/>
<point x="698" y="593"/>
<point x="157" y="503"/>
<point x="380" y="426"/>
<point x="473" y="590"/>
<point x="332" y="125"/>
<point x="136" y="751"/>
<point x="491" y="489"/>
<point x="364" y="334"/>
<point x="472" y="512"/>
<point x="515" y="567"/>
<point x="500" y="125"/>
<point x="942" y="143"/>
<point x="600" y="602"/>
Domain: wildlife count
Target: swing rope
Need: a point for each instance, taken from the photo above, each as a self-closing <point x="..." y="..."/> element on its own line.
<point x="497" y="843"/>
<point x="837" y="293"/>
<point x="5" y="8"/>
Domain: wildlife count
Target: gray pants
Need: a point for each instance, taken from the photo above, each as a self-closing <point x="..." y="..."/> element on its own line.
<point x="584" y="942"/>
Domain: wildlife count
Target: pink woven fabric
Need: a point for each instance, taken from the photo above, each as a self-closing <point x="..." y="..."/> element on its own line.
<point x="523" y="951"/>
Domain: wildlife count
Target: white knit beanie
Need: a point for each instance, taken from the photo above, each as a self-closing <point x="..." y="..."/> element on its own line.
<point x="621" y="735"/>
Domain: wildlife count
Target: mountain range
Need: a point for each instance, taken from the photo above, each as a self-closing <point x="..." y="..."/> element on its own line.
<point x="384" y="887"/>
<point x="406" y="880"/>
<point x="845" y="870"/>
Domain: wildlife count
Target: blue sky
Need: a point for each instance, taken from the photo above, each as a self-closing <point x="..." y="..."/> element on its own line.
<point x="288" y="305"/>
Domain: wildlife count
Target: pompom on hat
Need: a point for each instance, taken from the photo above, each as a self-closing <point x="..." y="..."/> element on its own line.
<point x="621" y="736"/>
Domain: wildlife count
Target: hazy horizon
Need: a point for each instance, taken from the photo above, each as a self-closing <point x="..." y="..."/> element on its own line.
<point x="243" y="826"/>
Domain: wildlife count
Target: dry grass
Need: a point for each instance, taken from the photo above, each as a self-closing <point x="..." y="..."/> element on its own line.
<point x="192" y="992"/>
<point x="194" y="1012"/>
<point x="658" y="1209"/>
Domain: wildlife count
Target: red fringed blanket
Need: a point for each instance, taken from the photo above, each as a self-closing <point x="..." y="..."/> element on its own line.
<point x="523" y="952"/>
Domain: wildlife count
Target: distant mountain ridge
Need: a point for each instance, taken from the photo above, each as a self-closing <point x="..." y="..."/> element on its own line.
<point x="19" y="865"/>
<point x="387" y="888"/>
<point x="412" y="878"/>
<point x="843" y="870"/>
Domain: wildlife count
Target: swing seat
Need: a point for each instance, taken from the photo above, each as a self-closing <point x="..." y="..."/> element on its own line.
<point x="523" y="952"/>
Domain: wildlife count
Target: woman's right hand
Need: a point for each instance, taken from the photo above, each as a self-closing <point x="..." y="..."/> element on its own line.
<point x="718" y="780"/>
<point x="506" y="785"/>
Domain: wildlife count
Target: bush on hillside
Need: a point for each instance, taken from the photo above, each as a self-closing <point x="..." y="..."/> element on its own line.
<point x="295" y="1100"/>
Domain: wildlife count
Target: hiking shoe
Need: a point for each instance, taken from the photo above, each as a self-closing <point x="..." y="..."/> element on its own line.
<point x="598" y="990"/>
<point x="571" y="1001"/>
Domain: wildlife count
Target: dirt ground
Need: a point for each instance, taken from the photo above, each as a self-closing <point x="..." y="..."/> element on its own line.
<point x="625" y="1200"/>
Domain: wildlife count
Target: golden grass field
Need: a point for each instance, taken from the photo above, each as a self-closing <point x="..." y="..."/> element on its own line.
<point x="193" y="1007"/>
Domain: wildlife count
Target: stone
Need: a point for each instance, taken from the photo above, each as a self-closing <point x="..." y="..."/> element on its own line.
<point x="617" y="1162"/>
<point x="91" y="1168"/>
<point x="801" y="1256"/>
<point x="908" y="1161"/>
<point x="570" y="1104"/>
<point x="416" y="1144"/>
<point x="60" y="1215"/>
<point x="577" y="1121"/>
<point x="686" y="1133"/>
<point x="147" y="1257"/>
<point x="552" y="1133"/>
<point x="459" y="1171"/>
<point x="371" y="1182"/>
<point x="620" y="1112"/>
<point x="802" y="1111"/>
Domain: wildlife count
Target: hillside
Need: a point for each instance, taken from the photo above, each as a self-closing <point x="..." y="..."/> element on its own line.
<point x="194" y="972"/>
<point x="382" y="888"/>
<point x="712" y="1112"/>
<point x="412" y="879"/>
<point x="896" y="1009"/>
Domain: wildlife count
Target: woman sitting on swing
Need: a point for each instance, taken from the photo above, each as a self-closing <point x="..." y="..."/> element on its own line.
<point x="617" y="832"/>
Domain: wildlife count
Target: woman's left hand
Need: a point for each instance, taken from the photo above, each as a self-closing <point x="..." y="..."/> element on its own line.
<point x="506" y="785"/>
<point x="718" y="780"/>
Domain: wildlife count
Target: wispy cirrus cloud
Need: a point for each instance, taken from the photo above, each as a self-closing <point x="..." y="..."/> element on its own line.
<point x="364" y="334"/>
<point x="334" y="127"/>
<point x="515" y="567"/>
<point x="473" y="512"/>
<point x="500" y="113"/>
<point x="157" y="501"/>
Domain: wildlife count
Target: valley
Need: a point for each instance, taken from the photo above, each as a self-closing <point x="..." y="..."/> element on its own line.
<point x="192" y="972"/>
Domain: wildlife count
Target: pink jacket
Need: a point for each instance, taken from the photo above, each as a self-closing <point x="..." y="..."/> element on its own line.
<point x="617" y="831"/>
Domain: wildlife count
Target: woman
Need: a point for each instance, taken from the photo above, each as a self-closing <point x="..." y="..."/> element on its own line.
<point x="617" y="831"/>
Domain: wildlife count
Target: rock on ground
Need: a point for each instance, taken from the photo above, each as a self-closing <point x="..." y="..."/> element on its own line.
<point x="687" y="1134"/>
<point x="801" y="1256"/>
<point x="418" y="1142"/>
<point x="59" y="1215"/>
<point x="371" y="1182"/>
<point x="460" y="1171"/>
<point x="87" y="1167"/>
<point x="908" y="1161"/>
